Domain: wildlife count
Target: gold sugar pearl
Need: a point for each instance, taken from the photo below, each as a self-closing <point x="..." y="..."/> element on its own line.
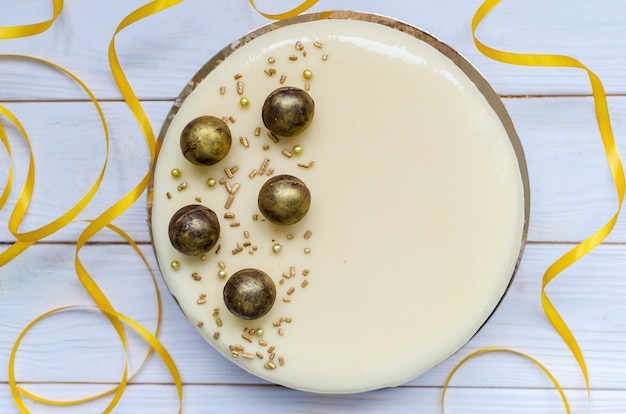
<point x="175" y="264"/>
<point x="277" y="248"/>
<point x="175" y="172"/>
<point x="222" y="274"/>
<point x="297" y="149"/>
<point x="243" y="101"/>
<point x="260" y="332"/>
<point x="307" y="74"/>
<point x="211" y="182"/>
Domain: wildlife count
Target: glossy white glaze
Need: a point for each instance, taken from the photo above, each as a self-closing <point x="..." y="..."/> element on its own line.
<point x="417" y="212"/>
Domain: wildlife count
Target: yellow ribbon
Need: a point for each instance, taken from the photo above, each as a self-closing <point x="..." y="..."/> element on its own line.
<point x="617" y="172"/>
<point x="304" y="6"/>
<point x="13" y="32"/>
<point x="94" y="226"/>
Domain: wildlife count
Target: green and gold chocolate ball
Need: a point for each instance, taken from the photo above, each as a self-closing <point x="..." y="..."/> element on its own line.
<point x="249" y="294"/>
<point x="288" y="111"/>
<point x="205" y="140"/>
<point x="194" y="230"/>
<point x="284" y="199"/>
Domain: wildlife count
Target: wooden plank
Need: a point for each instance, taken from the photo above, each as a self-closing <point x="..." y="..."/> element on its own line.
<point x="163" y="52"/>
<point x="572" y="194"/>
<point x="82" y="347"/>
<point x="156" y="398"/>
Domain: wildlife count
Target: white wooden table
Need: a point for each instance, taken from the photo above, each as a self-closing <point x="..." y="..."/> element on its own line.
<point x="77" y="354"/>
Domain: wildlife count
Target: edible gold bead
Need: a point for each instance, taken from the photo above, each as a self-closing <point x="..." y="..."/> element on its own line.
<point x="260" y="332"/>
<point x="175" y="172"/>
<point x="277" y="248"/>
<point x="222" y="274"/>
<point x="297" y="149"/>
<point x="175" y="265"/>
<point x="211" y="182"/>
<point x="307" y="74"/>
<point x="243" y="101"/>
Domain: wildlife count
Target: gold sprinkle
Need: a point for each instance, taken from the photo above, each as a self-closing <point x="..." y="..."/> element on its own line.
<point x="281" y="332"/>
<point x="318" y="45"/>
<point x="222" y="266"/>
<point x="290" y="236"/>
<point x="168" y="195"/>
<point x="281" y="361"/>
<point x="234" y="188"/>
<point x="240" y="87"/>
<point x="264" y="164"/>
<point x="252" y="331"/>
<point x="257" y="131"/>
<point x="229" y="201"/>
<point x="299" y="45"/>
<point x="201" y="301"/>
<point x="304" y="53"/>
<point x="288" y="319"/>
<point x="237" y="249"/>
<point x="234" y="169"/>
<point x="216" y="335"/>
<point x="276" y="324"/>
<point x="324" y="57"/>
<point x="269" y="172"/>
<point x="271" y="60"/>
<point x="272" y="356"/>
<point x="305" y="272"/>
<point x="262" y="342"/>
<point x="309" y="165"/>
<point x="182" y="186"/>
<point x="228" y="173"/>
<point x="307" y="86"/>
<point x="222" y="90"/>
<point x="227" y="185"/>
<point x="270" y="71"/>
<point x="308" y="234"/>
<point x="283" y="78"/>
<point x="286" y="153"/>
<point x="195" y="276"/>
<point x="216" y="310"/>
<point x="218" y="322"/>
<point x="217" y="251"/>
<point x="198" y="199"/>
<point x="244" y="142"/>
<point x="293" y="57"/>
<point x="292" y="271"/>
<point x="246" y="244"/>
<point x="281" y="282"/>
<point x="246" y="234"/>
<point x="269" y="365"/>
<point x="225" y="119"/>
<point x="246" y="338"/>
<point x="254" y="248"/>
<point x="203" y="257"/>
<point x="232" y="119"/>
<point x="247" y="355"/>
<point x="252" y="174"/>
<point x="286" y="275"/>
<point x="266" y="147"/>
<point x="235" y="224"/>
<point x="216" y="314"/>
<point x="273" y="137"/>
<point x="304" y="283"/>
<point x="307" y="250"/>
<point x="238" y="76"/>
<point x="286" y="299"/>
<point x="235" y="354"/>
<point x="228" y="215"/>
<point x="271" y="349"/>
<point x="255" y="217"/>
<point x="259" y="355"/>
<point x="200" y="324"/>
<point x="222" y="180"/>
<point x="291" y="290"/>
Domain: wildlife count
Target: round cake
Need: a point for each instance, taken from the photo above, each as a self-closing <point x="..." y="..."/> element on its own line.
<point x="339" y="202"/>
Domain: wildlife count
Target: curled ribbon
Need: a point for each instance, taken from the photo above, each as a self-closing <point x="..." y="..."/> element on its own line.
<point x="617" y="172"/>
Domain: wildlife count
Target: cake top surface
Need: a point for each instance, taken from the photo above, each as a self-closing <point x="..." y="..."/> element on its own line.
<point x="417" y="215"/>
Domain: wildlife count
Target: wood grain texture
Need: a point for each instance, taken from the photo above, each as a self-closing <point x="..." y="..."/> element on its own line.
<point x="76" y="353"/>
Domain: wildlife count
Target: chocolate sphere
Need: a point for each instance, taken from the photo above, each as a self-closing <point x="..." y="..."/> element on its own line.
<point x="288" y="111"/>
<point x="194" y="230"/>
<point x="249" y="294"/>
<point x="205" y="140"/>
<point x="284" y="199"/>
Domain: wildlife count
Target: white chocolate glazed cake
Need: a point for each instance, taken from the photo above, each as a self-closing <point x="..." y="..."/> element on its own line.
<point x="418" y="211"/>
